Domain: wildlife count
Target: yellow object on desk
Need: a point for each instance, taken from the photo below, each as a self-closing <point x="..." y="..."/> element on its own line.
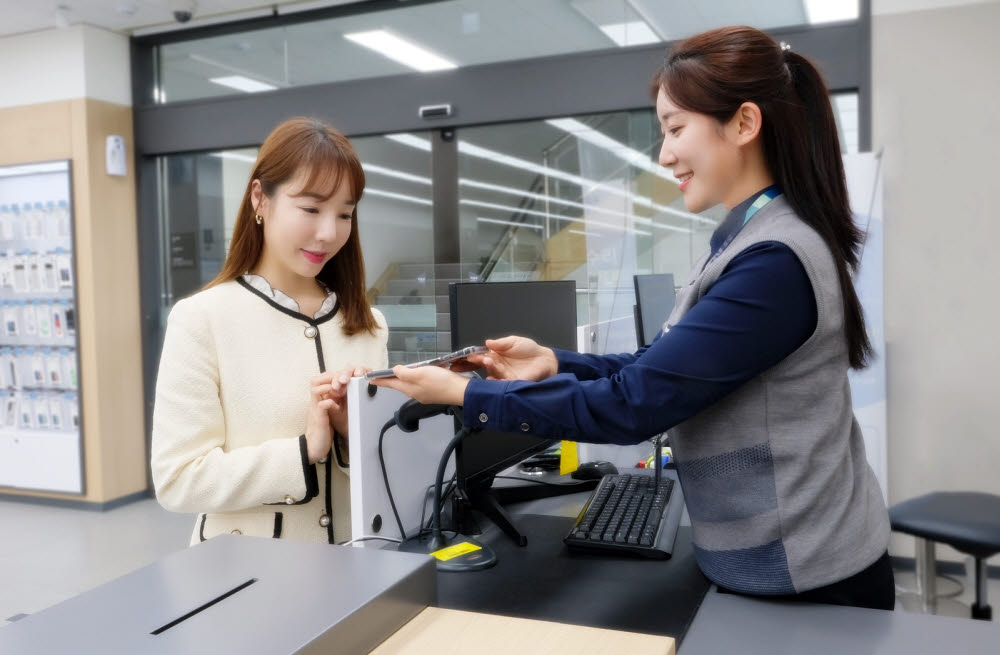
<point x="437" y="631"/>
<point x="453" y="551"/>
<point x="568" y="459"/>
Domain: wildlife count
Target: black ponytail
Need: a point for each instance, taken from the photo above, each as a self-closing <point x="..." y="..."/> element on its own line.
<point x="810" y="169"/>
<point x="717" y="71"/>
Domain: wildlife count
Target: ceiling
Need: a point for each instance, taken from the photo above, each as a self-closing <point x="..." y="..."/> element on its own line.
<point x="467" y="32"/>
<point x="127" y="16"/>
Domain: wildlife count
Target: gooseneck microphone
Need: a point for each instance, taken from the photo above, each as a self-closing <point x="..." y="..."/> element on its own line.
<point x="410" y="413"/>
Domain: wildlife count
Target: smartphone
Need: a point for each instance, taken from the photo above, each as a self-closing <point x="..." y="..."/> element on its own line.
<point x="437" y="361"/>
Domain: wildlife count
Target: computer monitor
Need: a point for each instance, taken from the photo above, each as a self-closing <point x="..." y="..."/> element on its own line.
<point x="543" y="311"/>
<point x="654" y="300"/>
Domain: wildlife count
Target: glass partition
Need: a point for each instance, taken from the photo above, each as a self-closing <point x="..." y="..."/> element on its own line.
<point x="577" y="198"/>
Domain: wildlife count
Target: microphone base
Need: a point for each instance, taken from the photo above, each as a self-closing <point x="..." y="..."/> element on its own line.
<point x="457" y="553"/>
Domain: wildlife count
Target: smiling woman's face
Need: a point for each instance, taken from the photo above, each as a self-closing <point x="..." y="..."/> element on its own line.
<point x="303" y="229"/>
<point x="698" y="150"/>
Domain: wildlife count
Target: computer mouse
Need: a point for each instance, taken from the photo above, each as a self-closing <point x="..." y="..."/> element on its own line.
<point x="594" y="470"/>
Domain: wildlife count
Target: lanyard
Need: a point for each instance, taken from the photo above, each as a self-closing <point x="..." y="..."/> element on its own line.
<point x="766" y="196"/>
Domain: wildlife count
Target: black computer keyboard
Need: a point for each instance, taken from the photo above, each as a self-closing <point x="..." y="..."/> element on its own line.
<point x="626" y="513"/>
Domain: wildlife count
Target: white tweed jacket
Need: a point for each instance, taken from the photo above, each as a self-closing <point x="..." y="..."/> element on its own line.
<point x="232" y="399"/>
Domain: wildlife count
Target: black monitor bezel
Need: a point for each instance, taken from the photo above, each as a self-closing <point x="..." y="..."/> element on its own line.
<point x="485" y="476"/>
<point x="643" y="339"/>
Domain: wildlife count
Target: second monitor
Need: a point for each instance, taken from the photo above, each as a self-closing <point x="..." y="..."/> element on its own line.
<point x="654" y="300"/>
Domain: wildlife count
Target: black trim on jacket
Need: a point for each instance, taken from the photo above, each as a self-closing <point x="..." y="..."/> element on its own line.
<point x="284" y="310"/>
<point x="276" y="534"/>
<point x="319" y="353"/>
<point x="312" y="482"/>
<point x="337" y="453"/>
<point x="329" y="504"/>
<point x="308" y="471"/>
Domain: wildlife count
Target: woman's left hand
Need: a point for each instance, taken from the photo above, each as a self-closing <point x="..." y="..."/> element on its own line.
<point x="427" y="384"/>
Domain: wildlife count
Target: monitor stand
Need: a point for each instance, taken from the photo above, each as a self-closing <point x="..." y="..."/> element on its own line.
<point x="489" y="500"/>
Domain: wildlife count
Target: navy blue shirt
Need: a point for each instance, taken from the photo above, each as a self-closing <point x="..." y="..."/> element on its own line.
<point x="759" y="311"/>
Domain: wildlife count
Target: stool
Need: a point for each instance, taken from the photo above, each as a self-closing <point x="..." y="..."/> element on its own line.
<point x="968" y="522"/>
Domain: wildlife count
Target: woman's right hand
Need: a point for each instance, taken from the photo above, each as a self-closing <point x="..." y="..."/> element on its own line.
<point x="319" y="427"/>
<point x="517" y="358"/>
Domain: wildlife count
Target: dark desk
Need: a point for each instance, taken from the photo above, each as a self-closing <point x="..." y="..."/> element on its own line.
<point x="544" y="580"/>
<point x="727" y="623"/>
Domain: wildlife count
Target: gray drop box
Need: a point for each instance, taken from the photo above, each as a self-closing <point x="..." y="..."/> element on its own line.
<point x="303" y="598"/>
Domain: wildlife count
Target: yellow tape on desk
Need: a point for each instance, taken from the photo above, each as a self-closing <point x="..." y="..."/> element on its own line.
<point x="455" y="550"/>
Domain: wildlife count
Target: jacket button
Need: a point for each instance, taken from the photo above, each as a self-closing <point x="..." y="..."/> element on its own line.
<point x="235" y="532"/>
<point x="525" y="427"/>
<point x="310" y="332"/>
<point x="324" y="521"/>
<point x="483" y="417"/>
<point x="289" y="500"/>
<point x="322" y="461"/>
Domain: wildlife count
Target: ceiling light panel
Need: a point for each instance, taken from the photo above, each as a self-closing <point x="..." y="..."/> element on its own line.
<point x="243" y="83"/>
<point x="401" y="50"/>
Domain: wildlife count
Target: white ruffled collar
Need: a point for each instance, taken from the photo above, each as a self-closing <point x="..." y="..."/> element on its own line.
<point x="283" y="299"/>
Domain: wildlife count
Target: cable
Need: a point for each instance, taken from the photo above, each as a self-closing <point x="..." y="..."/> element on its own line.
<point x="425" y="531"/>
<point x="438" y="481"/>
<point x="542" y="482"/>
<point x="385" y="477"/>
<point x="354" y="541"/>
<point x="423" y="508"/>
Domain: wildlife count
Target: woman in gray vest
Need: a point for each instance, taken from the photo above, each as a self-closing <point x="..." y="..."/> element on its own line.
<point x="750" y="372"/>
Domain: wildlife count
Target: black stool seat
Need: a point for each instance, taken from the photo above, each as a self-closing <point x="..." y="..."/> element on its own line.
<point x="966" y="521"/>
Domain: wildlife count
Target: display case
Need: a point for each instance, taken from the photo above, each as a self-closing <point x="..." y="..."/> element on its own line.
<point x="41" y="439"/>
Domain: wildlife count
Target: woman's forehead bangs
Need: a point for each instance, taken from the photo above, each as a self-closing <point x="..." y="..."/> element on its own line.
<point x="325" y="169"/>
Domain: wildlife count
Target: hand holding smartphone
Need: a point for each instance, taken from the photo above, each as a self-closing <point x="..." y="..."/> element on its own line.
<point x="444" y="360"/>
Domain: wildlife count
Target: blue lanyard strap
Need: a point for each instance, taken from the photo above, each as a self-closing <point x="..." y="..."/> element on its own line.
<point x="766" y="196"/>
<point x="769" y="194"/>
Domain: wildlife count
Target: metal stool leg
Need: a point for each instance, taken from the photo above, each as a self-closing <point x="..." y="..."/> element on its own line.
<point x="981" y="609"/>
<point x="926" y="575"/>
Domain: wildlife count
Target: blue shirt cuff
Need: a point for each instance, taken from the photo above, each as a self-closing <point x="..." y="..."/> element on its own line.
<point x="566" y="359"/>
<point x="483" y="402"/>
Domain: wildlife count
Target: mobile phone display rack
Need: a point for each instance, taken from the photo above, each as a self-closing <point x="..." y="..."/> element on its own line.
<point x="40" y="430"/>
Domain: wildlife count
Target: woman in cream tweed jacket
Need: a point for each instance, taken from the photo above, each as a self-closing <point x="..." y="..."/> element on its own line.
<point x="247" y="427"/>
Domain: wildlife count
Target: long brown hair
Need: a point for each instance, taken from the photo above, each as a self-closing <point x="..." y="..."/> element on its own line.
<point x="310" y="145"/>
<point x="714" y="73"/>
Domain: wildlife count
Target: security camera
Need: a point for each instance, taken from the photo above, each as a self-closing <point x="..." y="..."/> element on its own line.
<point x="182" y="10"/>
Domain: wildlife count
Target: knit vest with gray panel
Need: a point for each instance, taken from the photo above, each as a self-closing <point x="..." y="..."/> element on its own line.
<point x="780" y="494"/>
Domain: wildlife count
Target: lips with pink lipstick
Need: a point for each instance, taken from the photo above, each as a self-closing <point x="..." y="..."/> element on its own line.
<point x="683" y="179"/>
<point x="313" y="257"/>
